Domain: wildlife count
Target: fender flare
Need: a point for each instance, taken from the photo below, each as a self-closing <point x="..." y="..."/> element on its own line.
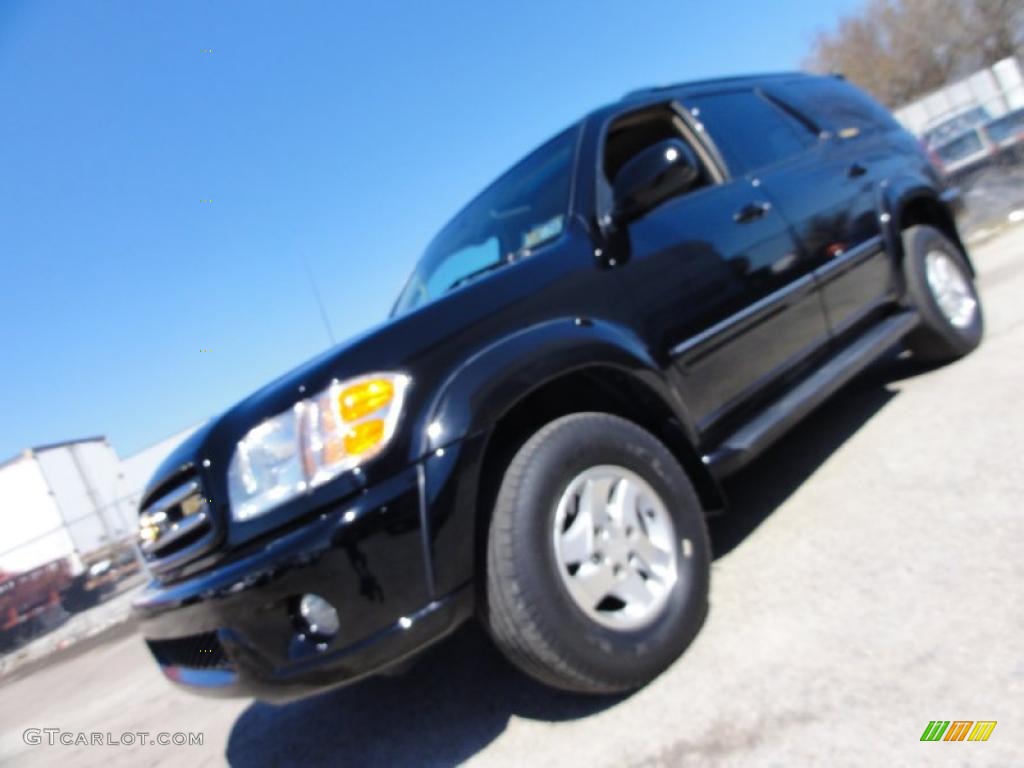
<point x="460" y="419"/>
<point x="489" y="383"/>
<point x="896" y="195"/>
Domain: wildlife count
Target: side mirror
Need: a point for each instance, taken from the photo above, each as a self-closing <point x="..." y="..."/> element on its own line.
<point x="651" y="177"/>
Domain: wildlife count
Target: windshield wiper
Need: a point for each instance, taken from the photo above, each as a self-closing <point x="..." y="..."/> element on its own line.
<point x="473" y="275"/>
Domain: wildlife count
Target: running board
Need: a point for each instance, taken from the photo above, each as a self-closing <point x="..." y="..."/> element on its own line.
<point x="756" y="435"/>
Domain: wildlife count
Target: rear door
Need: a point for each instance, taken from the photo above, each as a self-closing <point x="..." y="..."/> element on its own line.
<point x="832" y="196"/>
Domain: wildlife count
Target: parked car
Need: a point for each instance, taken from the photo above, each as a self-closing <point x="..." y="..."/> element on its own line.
<point x="959" y="144"/>
<point x="537" y="433"/>
<point x="41" y="566"/>
<point x="28" y="595"/>
<point x="1007" y="132"/>
<point x="966" y="145"/>
<point x="965" y="154"/>
<point x="956" y="125"/>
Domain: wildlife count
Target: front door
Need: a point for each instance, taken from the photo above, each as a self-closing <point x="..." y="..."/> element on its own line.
<point x="719" y="284"/>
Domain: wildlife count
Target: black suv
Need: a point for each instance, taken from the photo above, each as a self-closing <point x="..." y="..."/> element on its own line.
<point x="537" y="433"/>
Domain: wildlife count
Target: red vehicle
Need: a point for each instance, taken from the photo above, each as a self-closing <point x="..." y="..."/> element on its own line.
<point x="27" y="595"/>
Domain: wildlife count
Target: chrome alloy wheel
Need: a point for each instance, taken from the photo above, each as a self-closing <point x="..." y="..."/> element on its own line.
<point x="950" y="288"/>
<point x="615" y="547"/>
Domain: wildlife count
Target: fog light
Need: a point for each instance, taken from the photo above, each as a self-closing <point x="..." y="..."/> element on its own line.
<point x="319" y="615"/>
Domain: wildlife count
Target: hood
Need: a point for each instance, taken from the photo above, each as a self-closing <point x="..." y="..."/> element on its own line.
<point x="428" y="344"/>
<point x="398" y="344"/>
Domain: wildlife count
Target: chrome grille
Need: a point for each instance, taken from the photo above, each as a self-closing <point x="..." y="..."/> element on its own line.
<point x="176" y="526"/>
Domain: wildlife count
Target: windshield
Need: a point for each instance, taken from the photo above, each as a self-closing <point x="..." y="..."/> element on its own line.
<point x="522" y="210"/>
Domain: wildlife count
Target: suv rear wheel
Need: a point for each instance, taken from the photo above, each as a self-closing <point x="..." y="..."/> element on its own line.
<point x="597" y="556"/>
<point x="941" y="289"/>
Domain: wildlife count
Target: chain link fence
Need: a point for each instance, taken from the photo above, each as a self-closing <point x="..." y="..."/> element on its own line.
<point x="112" y="528"/>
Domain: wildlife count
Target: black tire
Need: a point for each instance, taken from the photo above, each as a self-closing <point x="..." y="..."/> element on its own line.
<point x="529" y="611"/>
<point x="77" y="598"/>
<point x="936" y="340"/>
<point x="9" y="639"/>
<point x="18" y="635"/>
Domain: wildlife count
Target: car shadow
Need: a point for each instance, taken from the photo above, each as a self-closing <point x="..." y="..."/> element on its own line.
<point x="758" y="489"/>
<point x="455" y="700"/>
<point x="460" y="694"/>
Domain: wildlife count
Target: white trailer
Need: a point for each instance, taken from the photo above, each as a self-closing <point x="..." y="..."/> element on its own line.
<point x="61" y="500"/>
<point x="32" y="531"/>
<point x="993" y="92"/>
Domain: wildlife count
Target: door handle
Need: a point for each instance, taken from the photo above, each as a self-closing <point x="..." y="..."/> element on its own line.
<point x="856" y="170"/>
<point x="751" y="211"/>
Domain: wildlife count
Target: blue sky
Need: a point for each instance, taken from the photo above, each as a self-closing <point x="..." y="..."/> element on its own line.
<point x="342" y="134"/>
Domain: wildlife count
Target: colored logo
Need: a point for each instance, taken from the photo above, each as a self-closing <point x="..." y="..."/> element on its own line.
<point x="958" y="730"/>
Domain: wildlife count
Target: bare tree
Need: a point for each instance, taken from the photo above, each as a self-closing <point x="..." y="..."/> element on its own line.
<point x="995" y="29"/>
<point x="900" y="49"/>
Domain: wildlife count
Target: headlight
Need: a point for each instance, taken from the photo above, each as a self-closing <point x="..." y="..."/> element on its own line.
<point x="347" y="424"/>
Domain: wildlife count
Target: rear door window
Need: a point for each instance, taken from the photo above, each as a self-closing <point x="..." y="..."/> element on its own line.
<point x="749" y="131"/>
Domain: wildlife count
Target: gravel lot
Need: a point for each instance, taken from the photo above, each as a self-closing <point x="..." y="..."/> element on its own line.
<point x="870" y="579"/>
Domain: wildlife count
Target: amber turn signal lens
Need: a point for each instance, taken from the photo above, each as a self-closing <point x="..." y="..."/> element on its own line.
<point x="364" y="398"/>
<point x="362" y="437"/>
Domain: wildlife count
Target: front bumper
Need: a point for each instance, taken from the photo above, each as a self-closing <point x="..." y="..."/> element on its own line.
<point x="234" y="630"/>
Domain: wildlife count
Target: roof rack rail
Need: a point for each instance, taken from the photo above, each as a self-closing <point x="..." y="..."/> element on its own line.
<point x="709" y="81"/>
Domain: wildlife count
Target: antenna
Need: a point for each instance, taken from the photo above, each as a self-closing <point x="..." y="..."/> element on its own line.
<point x="319" y="301"/>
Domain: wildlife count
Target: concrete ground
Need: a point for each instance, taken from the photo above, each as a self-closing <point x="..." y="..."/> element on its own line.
<point x="869" y="580"/>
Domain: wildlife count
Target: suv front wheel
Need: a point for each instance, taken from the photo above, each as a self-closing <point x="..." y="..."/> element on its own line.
<point x="597" y="556"/>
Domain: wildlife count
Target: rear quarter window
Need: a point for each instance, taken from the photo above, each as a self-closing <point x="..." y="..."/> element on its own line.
<point x="836" y="106"/>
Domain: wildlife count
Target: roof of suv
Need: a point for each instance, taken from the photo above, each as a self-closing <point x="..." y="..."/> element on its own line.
<point x="699" y="85"/>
